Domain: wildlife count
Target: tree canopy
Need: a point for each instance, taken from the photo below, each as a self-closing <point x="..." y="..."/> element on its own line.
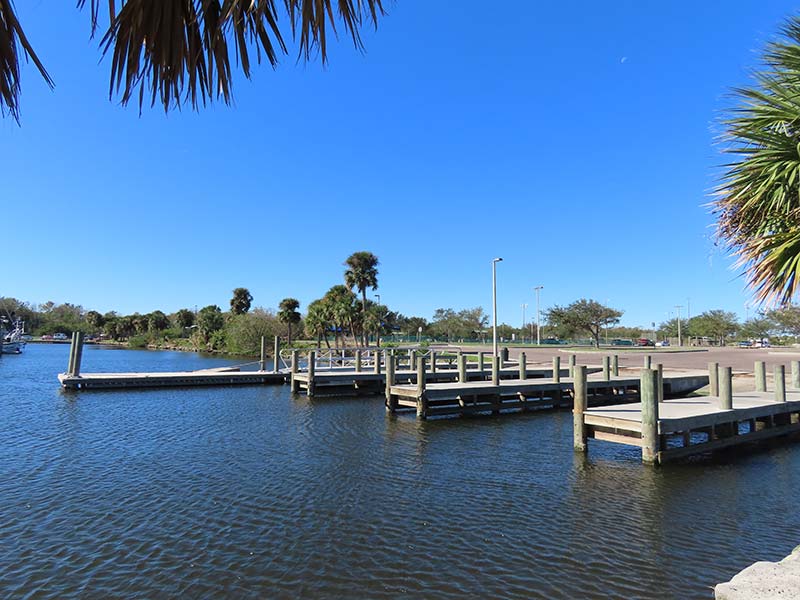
<point x="175" y="52"/>
<point x="757" y="203"/>
<point x="241" y="301"/>
<point x="288" y="314"/>
<point x="583" y="316"/>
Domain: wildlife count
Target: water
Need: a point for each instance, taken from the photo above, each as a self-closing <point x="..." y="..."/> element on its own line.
<point x="250" y="493"/>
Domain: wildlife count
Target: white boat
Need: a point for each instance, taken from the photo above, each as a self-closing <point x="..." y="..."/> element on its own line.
<point x="13" y="341"/>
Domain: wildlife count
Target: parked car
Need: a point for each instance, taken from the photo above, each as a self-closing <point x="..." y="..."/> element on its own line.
<point x="60" y="336"/>
<point x="618" y="342"/>
<point x="645" y="342"/>
<point x="46" y="337"/>
<point x="745" y="344"/>
<point x="662" y="344"/>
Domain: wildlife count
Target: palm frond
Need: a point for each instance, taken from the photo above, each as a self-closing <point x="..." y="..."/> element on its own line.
<point x="180" y="51"/>
<point x="12" y="42"/>
<point x="757" y="203"/>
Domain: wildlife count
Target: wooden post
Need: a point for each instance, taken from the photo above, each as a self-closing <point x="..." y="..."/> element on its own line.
<point x="358" y="361"/>
<point x="496" y="370"/>
<point x="523" y="366"/>
<point x="312" y="366"/>
<point x="71" y="361"/>
<point x="761" y="376"/>
<point x="503" y="357"/>
<point x="76" y="366"/>
<point x="412" y="360"/>
<point x="277" y="355"/>
<point x="615" y="365"/>
<point x="647" y="388"/>
<point x="263" y="362"/>
<point x="713" y="379"/>
<point x="422" y="401"/>
<point x="433" y="361"/>
<point x="780" y="383"/>
<point x="462" y="368"/>
<point x="578" y="426"/>
<point x="660" y="388"/>
<point x="556" y="369"/>
<point x="648" y="361"/>
<point x="796" y="374"/>
<point x="480" y="361"/>
<point x="726" y="388"/>
<point x="572" y="359"/>
<point x="391" y="401"/>
<point x="293" y="370"/>
<point x="606" y="369"/>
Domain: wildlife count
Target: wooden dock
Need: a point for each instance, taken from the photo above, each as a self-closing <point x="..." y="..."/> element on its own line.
<point x="207" y="377"/>
<point x="667" y="430"/>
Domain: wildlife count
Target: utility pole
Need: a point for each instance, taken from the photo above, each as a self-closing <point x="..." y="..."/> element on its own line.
<point x="524" y="306"/>
<point x="680" y="340"/>
<point x="494" y="304"/>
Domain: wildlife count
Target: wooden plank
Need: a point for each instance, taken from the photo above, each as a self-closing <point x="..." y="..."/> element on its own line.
<point x="622" y="424"/>
<point x="606" y="436"/>
<point x="718" y="444"/>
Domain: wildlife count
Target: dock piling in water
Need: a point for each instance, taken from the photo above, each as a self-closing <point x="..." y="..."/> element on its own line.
<point x="75" y="354"/>
<point x="579" y="407"/>
<point x="726" y="388"/>
<point x="615" y="365"/>
<point x="780" y="383"/>
<point x="422" y="401"/>
<point x="796" y="374"/>
<point x="660" y="387"/>
<point x="293" y="371"/>
<point x="649" y="397"/>
<point x="556" y="369"/>
<point x="496" y="370"/>
<point x="761" y="376"/>
<point x="606" y="369"/>
<point x="523" y="366"/>
<point x="391" y="401"/>
<point x="312" y="366"/>
<point x="462" y="368"/>
<point x="276" y="357"/>
<point x="358" y="361"/>
<point x="713" y="379"/>
<point x="571" y="363"/>
<point x="648" y="361"/>
<point x="376" y="368"/>
<point x="262" y="363"/>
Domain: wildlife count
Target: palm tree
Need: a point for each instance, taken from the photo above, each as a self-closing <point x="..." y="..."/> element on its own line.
<point x="362" y="273"/>
<point x="180" y="51"/>
<point x="287" y="313"/>
<point x="758" y="201"/>
<point x="241" y="301"/>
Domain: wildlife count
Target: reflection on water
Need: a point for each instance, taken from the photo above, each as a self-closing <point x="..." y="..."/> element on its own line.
<point x="249" y="492"/>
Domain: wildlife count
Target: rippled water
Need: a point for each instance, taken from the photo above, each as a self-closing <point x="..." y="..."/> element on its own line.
<point x="250" y="493"/>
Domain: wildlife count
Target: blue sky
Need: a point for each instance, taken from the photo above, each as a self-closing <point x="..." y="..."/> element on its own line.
<point x="575" y="140"/>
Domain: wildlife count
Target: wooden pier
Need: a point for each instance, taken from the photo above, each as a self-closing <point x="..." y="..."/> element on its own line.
<point x="667" y="430"/>
<point x="522" y="393"/>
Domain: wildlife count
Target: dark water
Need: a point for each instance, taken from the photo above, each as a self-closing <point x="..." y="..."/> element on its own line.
<point x="249" y="493"/>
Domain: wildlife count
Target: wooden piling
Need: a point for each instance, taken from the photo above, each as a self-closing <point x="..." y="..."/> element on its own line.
<point x="579" y="407"/>
<point x="422" y="400"/>
<point x="615" y="365"/>
<point x="276" y="357"/>
<point x="293" y="367"/>
<point x="262" y="365"/>
<point x="412" y="360"/>
<point x="648" y="361"/>
<point x="496" y="370"/>
<point x="71" y="360"/>
<point x="503" y="357"/>
<point x="556" y="369"/>
<point x="523" y="366"/>
<point x="606" y="369"/>
<point x="713" y="379"/>
<point x="571" y="363"/>
<point x="391" y="401"/>
<point x="761" y="376"/>
<point x="660" y="387"/>
<point x="480" y="361"/>
<point x="779" y="374"/>
<point x="376" y="367"/>
<point x="76" y="365"/>
<point x="647" y="387"/>
<point x="312" y="367"/>
<point x="433" y="361"/>
<point x="796" y="374"/>
<point x="358" y="361"/>
<point x="726" y="388"/>
<point x="462" y="368"/>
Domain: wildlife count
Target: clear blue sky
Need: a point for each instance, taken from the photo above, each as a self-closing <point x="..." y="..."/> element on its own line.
<point x="574" y="139"/>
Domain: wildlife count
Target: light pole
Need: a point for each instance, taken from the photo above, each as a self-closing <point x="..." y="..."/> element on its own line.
<point x="538" y="289"/>
<point x="524" y="306"/>
<point x="494" y="304"/>
<point x="679" y="325"/>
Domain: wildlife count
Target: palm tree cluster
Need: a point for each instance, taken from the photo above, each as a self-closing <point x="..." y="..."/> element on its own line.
<point x="758" y="201"/>
<point x="180" y="51"/>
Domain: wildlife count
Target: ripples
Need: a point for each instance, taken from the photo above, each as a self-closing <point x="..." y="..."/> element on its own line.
<point x="252" y="493"/>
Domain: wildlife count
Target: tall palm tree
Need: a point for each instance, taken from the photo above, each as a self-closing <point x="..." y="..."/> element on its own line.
<point x="758" y="202"/>
<point x="362" y="273"/>
<point x="180" y="51"/>
<point x="287" y="313"/>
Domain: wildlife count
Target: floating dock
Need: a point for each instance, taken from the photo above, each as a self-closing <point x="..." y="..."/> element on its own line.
<point x="106" y="381"/>
<point x="667" y="430"/>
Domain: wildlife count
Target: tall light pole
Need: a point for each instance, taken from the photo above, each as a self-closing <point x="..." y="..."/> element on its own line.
<point x="494" y="304"/>
<point x="524" y="306"/>
<point x="538" y="289"/>
<point x="679" y="325"/>
<point x="378" y="333"/>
